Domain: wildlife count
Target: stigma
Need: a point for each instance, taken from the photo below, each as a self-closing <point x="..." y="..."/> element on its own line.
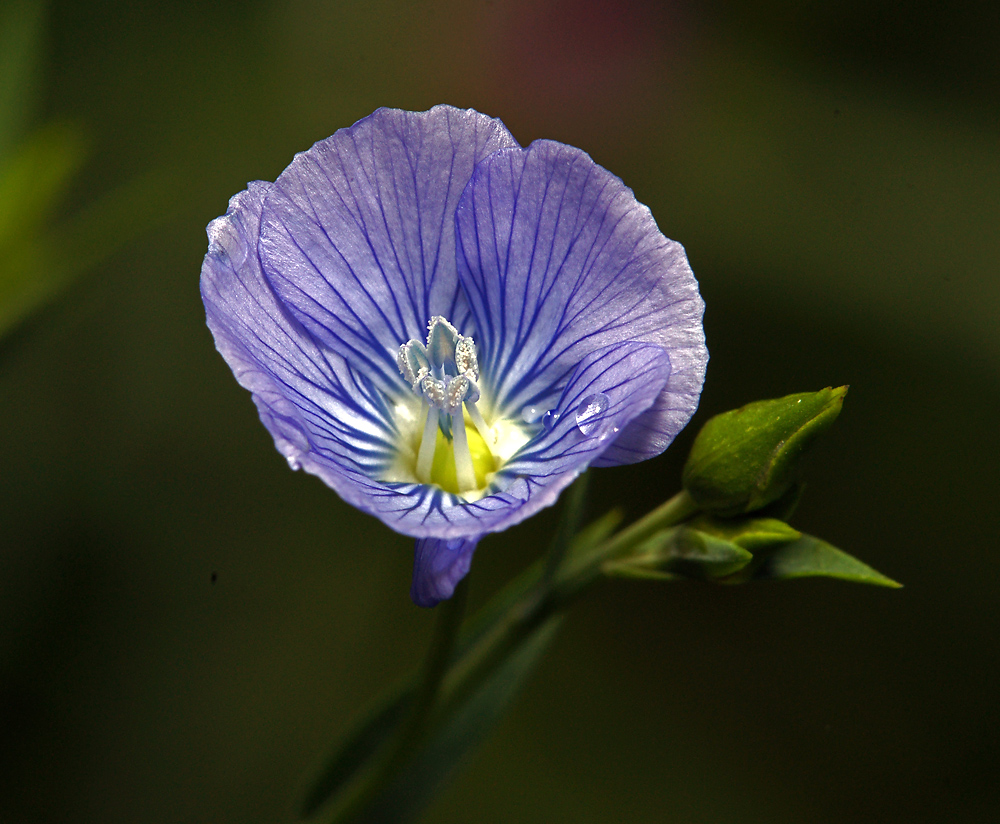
<point x="444" y="374"/>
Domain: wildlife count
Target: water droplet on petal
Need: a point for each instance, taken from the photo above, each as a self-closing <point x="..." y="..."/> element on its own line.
<point x="531" y="414"/>
<point x="589" y="412"/>
<point x="550" y="419"/>
<point x="293" y="462"/>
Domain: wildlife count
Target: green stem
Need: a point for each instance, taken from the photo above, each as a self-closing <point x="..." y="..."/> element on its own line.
<point x="569" y="525"/>
<point x="446" y="685"/>
<point x="557" y="592"/>
<point x="446" y="624"/>
<point x="439" y="656"/>
<point x="583" y="570"/>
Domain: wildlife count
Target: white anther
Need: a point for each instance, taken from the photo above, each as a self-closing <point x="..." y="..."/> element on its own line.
<point x="455" y="393"/>
<point x="437" y="320"/>
<point x="412" y="362"/>
<point x="465" y="357"/>
<point x="404" y="365"/>
<point x="434" y="391"/>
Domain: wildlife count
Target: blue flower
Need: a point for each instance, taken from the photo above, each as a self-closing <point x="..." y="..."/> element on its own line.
<point x="448" y="329"/>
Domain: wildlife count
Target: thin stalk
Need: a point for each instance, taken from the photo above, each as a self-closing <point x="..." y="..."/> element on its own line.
<point x="446" y="624"/>
<point x="464" y="471"/>
<point x="569" y="525"/>
<point x="428" y="443"/>
<point x="446" y="688"/>
<point x="567" y="582"/>
<point x="581" y="571"/>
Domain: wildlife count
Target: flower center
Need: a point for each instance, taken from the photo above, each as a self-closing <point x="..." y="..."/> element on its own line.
<point x="456" y="446"/>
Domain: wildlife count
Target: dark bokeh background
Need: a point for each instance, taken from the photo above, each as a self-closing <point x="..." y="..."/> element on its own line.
<point x="186" y="626"/>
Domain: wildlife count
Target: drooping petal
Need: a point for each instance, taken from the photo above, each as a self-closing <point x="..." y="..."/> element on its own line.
<point x="558" y="259"/>
<point x="438" y="566"/>
<point x="357" y="235"/>
<point x="324" y="416"/>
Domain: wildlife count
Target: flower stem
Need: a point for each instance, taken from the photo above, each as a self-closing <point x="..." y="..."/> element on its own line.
<point x="582" y="570"/>
<point x="538" y="597"/>
<point x="559" y="586"/>
<point x="446" y="624"/>
<point x="442" y="647"/>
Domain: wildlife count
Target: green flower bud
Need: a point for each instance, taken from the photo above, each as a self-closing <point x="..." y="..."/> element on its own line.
<point x="680" y="552"/>
<point x="752" y="534"/>
<point x="744" y="459"/>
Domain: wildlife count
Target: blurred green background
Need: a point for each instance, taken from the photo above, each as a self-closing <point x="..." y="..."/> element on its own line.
<point x="186" y="626"/>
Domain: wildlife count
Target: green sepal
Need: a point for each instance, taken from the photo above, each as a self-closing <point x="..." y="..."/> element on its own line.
<point x="810" y="557"/>
<point x="680" y="552"/>
<point x="783" y="508"/>
<point x="745" y="459"/>
<point x="752" y="534"/>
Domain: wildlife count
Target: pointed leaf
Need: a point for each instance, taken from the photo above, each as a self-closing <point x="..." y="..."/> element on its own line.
<point x="450" y="743"/>
<point x="809" y="557"/>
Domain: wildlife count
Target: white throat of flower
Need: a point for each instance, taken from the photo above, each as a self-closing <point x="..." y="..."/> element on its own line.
<point x="444" y="373"/>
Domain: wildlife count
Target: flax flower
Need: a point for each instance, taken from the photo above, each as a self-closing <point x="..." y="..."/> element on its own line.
<point x="448" y="329"/>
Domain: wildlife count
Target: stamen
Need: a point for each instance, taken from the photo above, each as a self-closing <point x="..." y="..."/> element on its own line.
<point x="425" y="457"/>
<point x="476" y="416"/>
<point x="465" y="357"/>
<point x="444" y="372"/>
<point x="464" y="471"/>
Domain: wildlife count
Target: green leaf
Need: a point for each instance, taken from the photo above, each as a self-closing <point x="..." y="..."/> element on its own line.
<point x="744" y="459"/>
<point x="452" y="735"/>
<point x="358" y="748"/>
<point x="811" y="557"/>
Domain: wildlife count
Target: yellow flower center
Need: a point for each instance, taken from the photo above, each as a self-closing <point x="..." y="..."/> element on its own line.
<point x="443" y="472"/>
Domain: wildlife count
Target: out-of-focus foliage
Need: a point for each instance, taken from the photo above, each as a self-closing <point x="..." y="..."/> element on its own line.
<point x="37" y="258"/>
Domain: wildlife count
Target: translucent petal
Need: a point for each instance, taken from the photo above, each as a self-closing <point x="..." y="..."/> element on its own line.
<point x="327" y="418"/>
<point x="324" y="416"/>
<point x="609" y="389"/>
<point x="357" y="234"/>
<point x="558" y="259"/>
